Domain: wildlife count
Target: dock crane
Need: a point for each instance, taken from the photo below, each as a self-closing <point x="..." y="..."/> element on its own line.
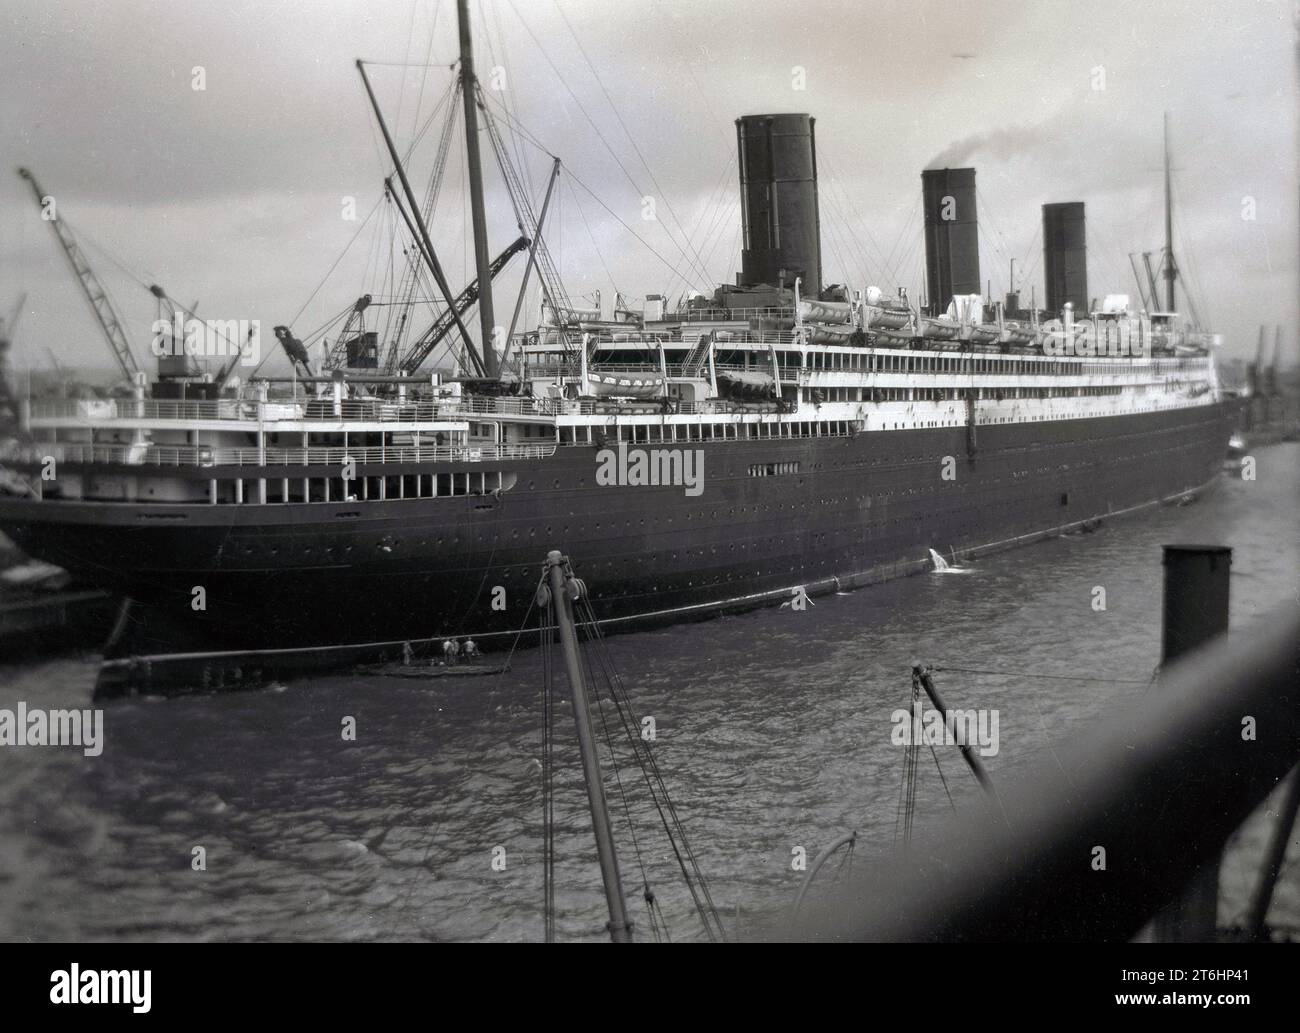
<point x="100" y="303"/>
<point x="9" y="416"/>
<point x="443" y="325"/>
<point x="9" y="326"/>
<point x="170" y="308"/>
<point x="351" y="341"/>
<point x="295" y="349"/>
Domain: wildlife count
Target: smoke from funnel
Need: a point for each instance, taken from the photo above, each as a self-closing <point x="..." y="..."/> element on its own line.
<point x="998" y="143"/>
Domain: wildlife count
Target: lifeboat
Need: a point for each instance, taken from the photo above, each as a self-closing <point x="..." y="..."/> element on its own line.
<point x="819" y="333"/>
<point x="746" y="383"/>
<point x="1017" y="334"/>
<point x="890" y="318"/>
<point x="611" y="385"/>
<point x="940" y="328"/>
<point x="826" y="311"/>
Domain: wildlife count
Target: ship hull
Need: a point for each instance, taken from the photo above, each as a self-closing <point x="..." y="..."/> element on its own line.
<point x="860" y="508"/>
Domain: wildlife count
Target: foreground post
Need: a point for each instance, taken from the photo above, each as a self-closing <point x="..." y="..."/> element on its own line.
<point x="1195" y="611"/>
<point x="1106" y="828"/>
<point x="969" y="755"/>
<point x="565" y="589"/>
<point x="1274" y="857"/>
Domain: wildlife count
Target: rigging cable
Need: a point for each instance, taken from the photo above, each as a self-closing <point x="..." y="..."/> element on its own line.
<point x="1192" y="286"/>
<point x="656" y="923"/>
<point x="709" y="218"/>
<point x="428" y="53"/>
<point x="655" y="782"/>
<point x="601" y="136"/>
<point x="734" y="250"/>
<point x="689" y="250"/>
<point x="548" y="768"/>
<point x="504" y="63"/>
<point x="836" y="181"/>
<point x="324" y="280"/>
<point x="939" y="768"/>
<point x="590" y="236"/>
<point x="907" y="225"/>
<point x="565" y="170"/>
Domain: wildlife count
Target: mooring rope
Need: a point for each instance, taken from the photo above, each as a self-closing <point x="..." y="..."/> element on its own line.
<point x="1039" y="674"/>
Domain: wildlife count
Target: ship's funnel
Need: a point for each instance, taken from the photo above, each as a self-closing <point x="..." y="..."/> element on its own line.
<point x="952" y="250"/>
<point x="1065" y="256"/>
<point x="778" y="202"/>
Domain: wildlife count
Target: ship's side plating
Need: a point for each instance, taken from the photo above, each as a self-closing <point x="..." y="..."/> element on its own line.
<point x="772" y="515"/>
<point x="822" y="438"/>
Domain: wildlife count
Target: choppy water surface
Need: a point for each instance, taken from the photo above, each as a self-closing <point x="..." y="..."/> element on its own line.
<point x="773" y="731"/>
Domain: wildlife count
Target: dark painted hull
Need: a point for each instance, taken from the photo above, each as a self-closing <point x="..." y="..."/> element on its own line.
<point x="46" y="623"/>
<point x="860" y="509"/>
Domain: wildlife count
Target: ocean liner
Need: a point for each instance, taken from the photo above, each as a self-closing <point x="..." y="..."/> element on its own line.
<point x="782" y="437"/>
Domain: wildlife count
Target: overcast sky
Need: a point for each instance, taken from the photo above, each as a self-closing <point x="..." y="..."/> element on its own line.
<point x="234" y="195"/>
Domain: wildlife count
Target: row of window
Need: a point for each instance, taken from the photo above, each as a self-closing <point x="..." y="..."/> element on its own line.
<point x="273" y="490"/>
<point x="637" y="433"/>
<point x="772" y="469"/>
<point x="947" y="394"/>
<point x="717" y="431"/>
<point x="906" y="362"/>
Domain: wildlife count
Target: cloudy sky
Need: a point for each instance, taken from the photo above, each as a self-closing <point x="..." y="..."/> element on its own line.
<point x="235" y="195"/>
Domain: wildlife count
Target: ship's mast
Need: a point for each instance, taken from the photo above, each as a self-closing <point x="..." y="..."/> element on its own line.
<point x="430" y="256"/>
<point x="482" y="260"/>
<point x="1170" y="270"/>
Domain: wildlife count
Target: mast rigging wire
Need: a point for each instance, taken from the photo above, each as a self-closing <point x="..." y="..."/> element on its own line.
<point x="601" y="136"/>
<point x="688" y="251"/>
<point x="688" y="863"/>
<point x="530" y="138"/>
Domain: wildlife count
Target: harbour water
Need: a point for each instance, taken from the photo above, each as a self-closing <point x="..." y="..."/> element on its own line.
<point x="773" y="732"/>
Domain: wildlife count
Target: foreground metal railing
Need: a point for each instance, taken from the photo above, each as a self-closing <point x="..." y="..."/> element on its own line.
<point x="1093" y="840"/>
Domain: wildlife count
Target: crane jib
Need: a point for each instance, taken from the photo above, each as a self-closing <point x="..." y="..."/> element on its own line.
<point x="443" y="325"/>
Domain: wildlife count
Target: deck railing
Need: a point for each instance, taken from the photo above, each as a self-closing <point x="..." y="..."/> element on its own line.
<point x="714" y="315"/>
<point x="148" y="454"/>
<point x="625" y="367"/>
<point x="323" y="410"/>
<point x="367" y="410"/>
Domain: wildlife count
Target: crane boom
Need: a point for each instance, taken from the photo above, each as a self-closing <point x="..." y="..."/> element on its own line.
<point x="443" y="325"/>
<point x="109" y="321"/>
<point x="9" y="327"/>
<point x="10" y="415"/>
<point x="338" y="356"/>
